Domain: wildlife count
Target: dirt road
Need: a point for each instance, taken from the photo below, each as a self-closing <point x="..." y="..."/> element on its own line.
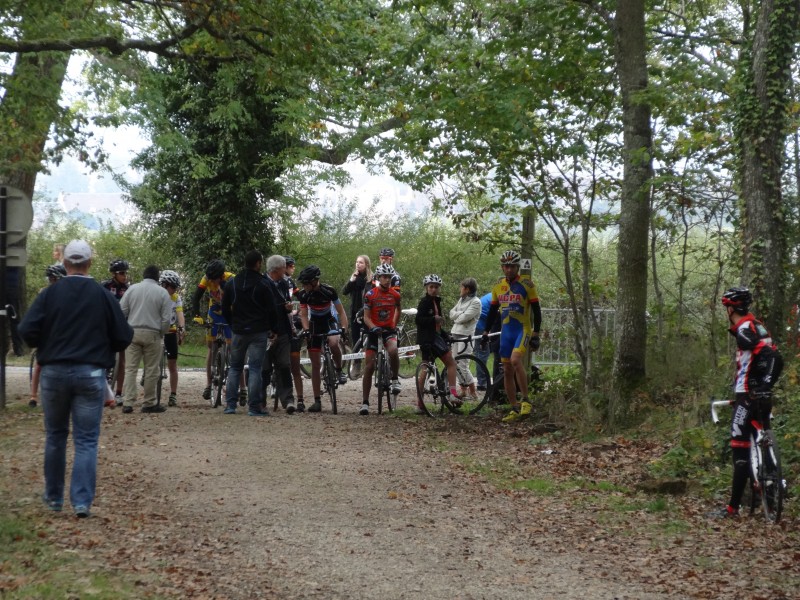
<point x="197" y="504"/>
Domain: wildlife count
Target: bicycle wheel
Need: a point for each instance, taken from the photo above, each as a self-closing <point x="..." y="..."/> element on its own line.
<point x="469" y="368"/>
<point x="770" y="478"/>
<point x="162" y="375"/>
<point x="217" y="375"/>
<point x="411" y="359"/>
<point x="429" y="390"/>
<point x="381" y="381"/>
<point x="331" y="379"/>
<point x="355" y="368"/>
<point x="391" y="399"/>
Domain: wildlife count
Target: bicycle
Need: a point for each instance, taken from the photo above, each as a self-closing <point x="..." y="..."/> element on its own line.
<point x="382" y="377"/>
<point x="220" y="363"/>
<point x="406" y="345"/>
<point x="434" y="396"/>
<point x="766" y="475"/>
<point x="329" y="375"/>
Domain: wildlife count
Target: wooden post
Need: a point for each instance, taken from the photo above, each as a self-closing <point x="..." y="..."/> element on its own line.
<point x="528" y="237"/>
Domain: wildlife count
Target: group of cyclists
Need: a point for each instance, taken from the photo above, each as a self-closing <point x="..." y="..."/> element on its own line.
<point x="376" y="300"/>
<point x="318" y="316"/>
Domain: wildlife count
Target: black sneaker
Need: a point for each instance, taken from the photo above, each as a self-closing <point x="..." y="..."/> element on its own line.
<point x="726" y="512"/>
<point x="127" y="409"/>
<point x="301" y="407"/>
<point x="32" y="403"/>
<point x="342" y="378"/>
<point x="153" y="409"/>
<point x="316" y="407"/>
<point x="207" y="393"/>
<point x="173" y="400"/>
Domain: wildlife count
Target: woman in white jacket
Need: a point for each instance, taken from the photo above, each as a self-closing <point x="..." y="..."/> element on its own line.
<point x="465" y="315"/>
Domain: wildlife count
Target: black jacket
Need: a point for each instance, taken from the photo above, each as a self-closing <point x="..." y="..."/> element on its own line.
<point x="281" y="294"/>
<point x="247" y="303"/>
<point x="428" y="308"/>
<point x="76" y="321"/>
<point x="355" y="289"/>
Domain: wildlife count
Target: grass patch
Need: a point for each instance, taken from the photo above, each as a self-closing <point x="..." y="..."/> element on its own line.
<point x="537" y="485"/>
<point x="34" y="568"/>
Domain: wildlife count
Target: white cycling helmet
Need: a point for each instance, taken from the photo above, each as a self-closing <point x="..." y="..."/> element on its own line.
<point x="385" y="270"/>
<point x="510" y="257"/>
<point x="171" y="278"/>
<point x="432" y="278"/>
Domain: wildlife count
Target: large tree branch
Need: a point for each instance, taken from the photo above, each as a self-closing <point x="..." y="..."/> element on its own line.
<point x="112" y="44"/>
<point x="339" y="153"/>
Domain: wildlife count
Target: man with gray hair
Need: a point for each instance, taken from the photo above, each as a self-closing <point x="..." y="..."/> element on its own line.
<point x="148" y="308"/>
<point x="77" y="328"/>
<point x="279" y="350"/>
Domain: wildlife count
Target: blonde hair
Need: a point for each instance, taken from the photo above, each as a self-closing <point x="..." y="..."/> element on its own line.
<point x="368" y="269"/>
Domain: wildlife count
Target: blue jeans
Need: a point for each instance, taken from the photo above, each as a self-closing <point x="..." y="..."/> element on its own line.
<point x="75" y="391"/>
<point x="254" y="347"/>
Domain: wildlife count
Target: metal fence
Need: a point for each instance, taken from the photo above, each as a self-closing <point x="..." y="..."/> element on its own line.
<point x="558" y="335"/>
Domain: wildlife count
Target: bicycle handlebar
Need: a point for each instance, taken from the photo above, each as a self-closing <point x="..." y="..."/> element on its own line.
<point x="306" y="333"/>
<point x="714" y="405"/>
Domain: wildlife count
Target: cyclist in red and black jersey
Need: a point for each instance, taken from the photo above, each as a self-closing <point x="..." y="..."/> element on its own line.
<point x="317" y="303"/>
<point x="758" y="366"/>
<point x="381" y="315"/>
<point x="118" y="285"/>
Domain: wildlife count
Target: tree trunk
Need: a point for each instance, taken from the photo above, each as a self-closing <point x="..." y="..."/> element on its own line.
<point x="761" y="115"/>
<point x="634" y="218"/>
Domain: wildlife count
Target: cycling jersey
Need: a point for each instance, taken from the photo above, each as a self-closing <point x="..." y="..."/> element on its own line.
<point x="177" y="307"/>
<point x="758" y="364"/>
<point x="214" y="289"/>
<point x="383" y="306"/>
<point x="319" y="302"/>
<point x="515" y="299"/>
<point x="116" y="288"/>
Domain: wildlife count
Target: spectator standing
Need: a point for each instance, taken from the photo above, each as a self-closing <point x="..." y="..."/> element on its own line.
<point x="297" y="326"/>
<point x="483" y="351"/>
<point x="355" y="288"/>
<point x="248" y="305"/>
<point x="118" y="284"/>
<point x="280" y="348"/>
<point x="74" y="356"/>
<point x="148" y="308"/>
<point x="464" y="316"/>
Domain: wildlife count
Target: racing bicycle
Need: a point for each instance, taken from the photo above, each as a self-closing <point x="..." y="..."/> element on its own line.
<point x="220" y="362"/>
<point x="767" y="486"/>
<point x="433" y="394"/>
<point x="329" y="375"/>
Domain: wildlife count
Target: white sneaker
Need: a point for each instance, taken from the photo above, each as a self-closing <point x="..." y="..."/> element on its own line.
<point x="396" y="386"/>
<point x="364" y="409"/>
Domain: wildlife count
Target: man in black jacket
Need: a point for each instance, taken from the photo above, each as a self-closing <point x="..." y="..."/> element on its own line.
<point x="77" y="328"/>
<point x="279" y="355"/>
<point x="247" y="304"/>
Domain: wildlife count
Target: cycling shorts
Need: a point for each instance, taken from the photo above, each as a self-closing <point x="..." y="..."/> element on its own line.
<point x="323" y="326"/>
<point x="372" y="340"/>
<point x="171" y="345"/>
<point x="436" y="349"/>
<point x="215" y="315"/>
<point x="514" y="337"/>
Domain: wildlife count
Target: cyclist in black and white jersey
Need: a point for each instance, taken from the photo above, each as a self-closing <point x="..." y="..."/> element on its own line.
<point x="317" y="303"/>
<point x="387" y="258"/>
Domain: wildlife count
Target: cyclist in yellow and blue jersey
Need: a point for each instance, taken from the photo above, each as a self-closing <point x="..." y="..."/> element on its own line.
<point x="212" y="283"/>
<point x="515" y="302"/>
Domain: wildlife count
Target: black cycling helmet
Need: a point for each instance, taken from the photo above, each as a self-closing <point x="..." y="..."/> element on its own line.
<point x="387" y="252"/>
<point x="119" y="266"/>
<point x="739" y="298"/>
<point x="289" y="260"/>
<point x="309" y="274"/>
<point x="215" y="269"/>
<point x="56" y="271"/>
